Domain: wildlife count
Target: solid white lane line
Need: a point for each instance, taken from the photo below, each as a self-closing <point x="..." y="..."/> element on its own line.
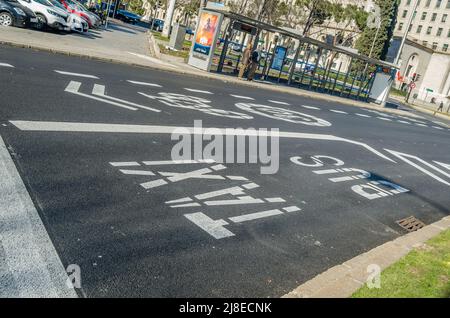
<point x="6" y="65"/>
<point x="32" y="264"/>
<point x="149" y="129"/>
<point x="74" y="87"/>
<point x="363" y="115"/>
<point x="242" y="97"/>
<point x="198" y="91"/>
<point x="99" y="90"/>
<point x="144" y="83"/>
<point x="338" y="111"/>
<point x="277" y="102"/>
<point x="76" y="74"/>
<point x="311" y="107"/>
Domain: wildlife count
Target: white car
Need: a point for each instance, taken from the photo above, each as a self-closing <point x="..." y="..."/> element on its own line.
<point x="47" y="14"/>
<point x="75" y="22"/>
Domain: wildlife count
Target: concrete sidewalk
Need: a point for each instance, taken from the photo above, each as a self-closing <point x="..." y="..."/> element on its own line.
<point x="343" y="280"/>
<point x="132" y="45"/>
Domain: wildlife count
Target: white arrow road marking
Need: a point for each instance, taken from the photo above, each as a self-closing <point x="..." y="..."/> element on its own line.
<point x="74" y="87"/>
<point x="144" y="83"/>
<point x="76" y="74"/>
<point x="310" y="107"/>
<point x="33" y="268"/>
<point x="99" y="90"/>
<point x="405" y="157"/>
<point x="6" y="65"/>
<point x="242" y="97"/>
<point x="149" y="129"/>
<point x="198" y="91"/>
<point x="279" y="103"/>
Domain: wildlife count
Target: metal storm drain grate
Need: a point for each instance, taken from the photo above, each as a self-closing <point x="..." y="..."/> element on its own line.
<point x="411" y="224"/>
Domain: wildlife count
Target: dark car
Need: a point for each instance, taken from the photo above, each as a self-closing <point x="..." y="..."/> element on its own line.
<point x="158" y="24"/>
<point x="127" y="16"/>
<point x="13" y="13"/>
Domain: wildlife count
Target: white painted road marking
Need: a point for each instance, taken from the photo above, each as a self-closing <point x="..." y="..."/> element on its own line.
<point x="384" y="118"/>
<point x="144" y="83"/>
<point x="99" y="90"/>
<point x="338" y="111"/>
<point x="255" y="216"/>
<point x="421" y="125"/>
<point x="152" y="59"/>
<point x="76" y="74"/>
<point x="149" y="129"/>
<point x="363" y="115"/>
<point x="406" y="158"/>
<point x="74" y="87"/>
<point x="404" y="122"/>
<point x="213" y="228"/>
<point x="277" y="102"/>
<point x="242" y="97"/>
<point x="6" y="65"/>
<point x="311" y="107"/>
<point x="198" y="91"/>
<point x="33" y="268"/>
<point x="437" y="127"/>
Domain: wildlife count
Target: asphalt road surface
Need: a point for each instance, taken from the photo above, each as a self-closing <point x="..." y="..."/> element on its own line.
<point x="92" y="143"/>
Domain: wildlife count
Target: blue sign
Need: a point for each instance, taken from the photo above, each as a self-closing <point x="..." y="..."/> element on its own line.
<point x="278" y="59"/>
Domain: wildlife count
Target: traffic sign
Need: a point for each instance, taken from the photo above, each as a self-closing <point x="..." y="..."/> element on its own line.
<point x="412" y="85"/>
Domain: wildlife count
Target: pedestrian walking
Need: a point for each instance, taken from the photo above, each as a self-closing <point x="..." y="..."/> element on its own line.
<point x="440" y="108"/>
<point x="254" y="63"/>
<point x="245" y="62"/>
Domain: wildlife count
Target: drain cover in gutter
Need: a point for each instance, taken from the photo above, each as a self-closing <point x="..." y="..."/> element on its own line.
<point x="411" y="224"/>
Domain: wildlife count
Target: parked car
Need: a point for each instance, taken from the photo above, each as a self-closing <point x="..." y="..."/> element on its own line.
<point x="127" y="16"/>
<point x="158" y="24"/>
<point x="12" y="13"/>
<point x="47" y="14"/>
<point x="75" y="22"/>
<point x="77" y="8"/>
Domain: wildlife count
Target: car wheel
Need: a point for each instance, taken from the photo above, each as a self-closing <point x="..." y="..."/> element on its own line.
<point x="6" y="19"/>
<point x="41" y="21"/>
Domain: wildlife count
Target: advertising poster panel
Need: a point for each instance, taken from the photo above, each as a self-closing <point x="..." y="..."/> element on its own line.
<point x="206" y="33"/>
<point x="278" y="59"/>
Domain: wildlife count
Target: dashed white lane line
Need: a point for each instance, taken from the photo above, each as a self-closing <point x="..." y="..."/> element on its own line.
<point x="363" y="115"/>
<point x="198" y="91"/>
<point x="384" y="118"/>
<point x="6" y="65"/>
<point x="404" y="122"/>
<point x="310" y="107"/>
<point x="338" y="111"/>
<point x="242" y="97"/>
<point x="421" y="125"/>
<point x="277" y="102"/>
<point x="76" y="74"/>
<point x="437" y="127"/>
<point x="144" y="83"/>
<point x="32" y="267"/>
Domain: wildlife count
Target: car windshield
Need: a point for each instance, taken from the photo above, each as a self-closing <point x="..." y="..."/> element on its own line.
<point x="44" y="2"/>
<point x="57" y="4"/>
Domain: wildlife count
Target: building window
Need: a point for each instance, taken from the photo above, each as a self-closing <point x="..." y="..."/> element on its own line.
<point x="424" y="43"/>
<point x="429" y="30"/>
<point x="448" y="4"/>
<point x="408" y="2"/>
<point x="424" y="16"/>
<point x="438" y="3"/>
<point x="405" y="13"/>
<point x="419" y="29"/>
<point x="433" y="17"/>
<point x="427" y="4"/>
<point x="410" y="27"/>
<point x="435" y="44"/>
<point x="448" y="33"/>
<point x="444" y="18"/>
<point x="439" y="32"/>
<point x="445" y="47"/>
<point x="400" y="26"/>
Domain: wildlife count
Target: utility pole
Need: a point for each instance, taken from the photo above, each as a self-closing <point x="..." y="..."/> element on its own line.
<point x="169" y="18"/>
<point x="400" y="49"/>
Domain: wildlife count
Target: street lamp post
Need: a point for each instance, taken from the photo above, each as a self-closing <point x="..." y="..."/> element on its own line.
<point x="405" y="35"/>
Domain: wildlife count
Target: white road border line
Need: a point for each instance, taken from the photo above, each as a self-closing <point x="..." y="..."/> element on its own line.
<point x="193" y="90"/>
<point x="99" y="90"/>
<point x="150" y="129"/>
<point x="279" y="103"/>
<point x="242" y="97"/>
<point x="76" y="74"/>
<point x="6" y="65"/>
<point x="144" y="83"/>
<point x="73" y="88"/>
<point x="32" y="262"/>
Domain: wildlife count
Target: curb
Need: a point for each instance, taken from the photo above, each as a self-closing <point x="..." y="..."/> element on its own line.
<point x="343" y="280"/>
<point x="154" y="46"/>
<point x="423" y="109"/>
<point x="223" y="78"/>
